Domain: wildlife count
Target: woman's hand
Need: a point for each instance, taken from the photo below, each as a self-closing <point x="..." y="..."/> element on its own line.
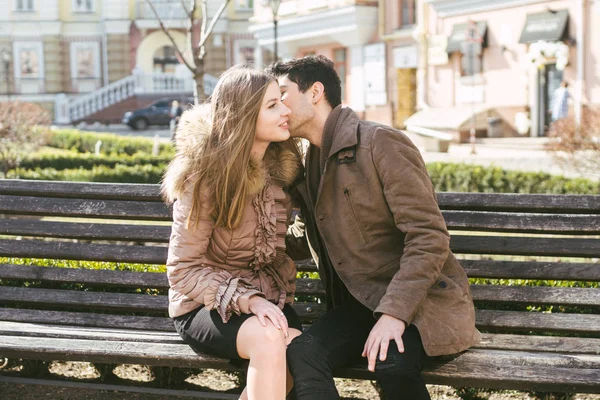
<point x="263" y="309"/>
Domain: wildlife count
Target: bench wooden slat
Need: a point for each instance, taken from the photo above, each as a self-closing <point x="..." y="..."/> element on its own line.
<point x="109" y="278"/>
<point x="124" y="302"/>
<point x="57" y="331"/>
<point x="500" y="245"/>
<point x="521" y="321"/>
<point x="103" y="301"/>
<point x="528" y="246"/>
<point x="83" y="251"/>
<point x="473" y="368"/>
<point x="447" y="200"/>
<point x="536" y="295"/>
<point x="83" y="319"/>
<point x="514" y="371"/>
<point x="81" y="190"/>
<point x="144" y="303"/>
<point x="91" y="231"/>
<point x="532" y="270"/>
<point x="520" y="202"/>
<point x="89" y="208"/>
<point x="497" y="341"/>
<point x="85" y="276"/>
<point x="573" y="224"/>
<point x="501" y="341"/>
<point x="120" y="352"/>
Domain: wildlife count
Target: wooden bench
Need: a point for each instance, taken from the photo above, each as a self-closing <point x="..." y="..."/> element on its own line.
<point x="119" y="317"/>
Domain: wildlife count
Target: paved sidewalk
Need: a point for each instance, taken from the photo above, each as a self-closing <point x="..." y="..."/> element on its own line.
<point x="523" y="154"/>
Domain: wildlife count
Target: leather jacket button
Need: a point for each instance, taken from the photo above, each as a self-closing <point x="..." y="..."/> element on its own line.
<point x="442" y="285"/>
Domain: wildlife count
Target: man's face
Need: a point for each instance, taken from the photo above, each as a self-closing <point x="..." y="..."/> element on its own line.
<point x="300" y="105"/>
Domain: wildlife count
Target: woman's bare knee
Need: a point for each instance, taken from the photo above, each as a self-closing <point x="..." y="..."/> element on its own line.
<point x="255" y="338"/>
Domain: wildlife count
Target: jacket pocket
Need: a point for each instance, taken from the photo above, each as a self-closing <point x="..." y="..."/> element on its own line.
<point x="387" y="267"/>
<point x="363" y="232"/>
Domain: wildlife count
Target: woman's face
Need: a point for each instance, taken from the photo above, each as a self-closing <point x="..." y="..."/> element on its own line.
<point x="272" y="122"/>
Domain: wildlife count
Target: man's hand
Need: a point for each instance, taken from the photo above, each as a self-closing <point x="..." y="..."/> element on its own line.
<point x="386" y="329"/>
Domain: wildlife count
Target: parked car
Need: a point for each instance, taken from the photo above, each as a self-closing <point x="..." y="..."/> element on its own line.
<point x="157" y="113"/>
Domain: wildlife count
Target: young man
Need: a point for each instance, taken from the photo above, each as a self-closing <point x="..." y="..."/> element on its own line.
<point x="396" y="294"/>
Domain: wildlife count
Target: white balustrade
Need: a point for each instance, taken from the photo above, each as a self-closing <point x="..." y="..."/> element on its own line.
<point x="138" y="83"/>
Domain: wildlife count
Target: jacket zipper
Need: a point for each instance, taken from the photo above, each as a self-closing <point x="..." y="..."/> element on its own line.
<point x="360" y="228"/>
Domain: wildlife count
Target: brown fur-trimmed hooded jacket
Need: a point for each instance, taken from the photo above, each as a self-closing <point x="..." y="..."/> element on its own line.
<point x="221" y="268"/>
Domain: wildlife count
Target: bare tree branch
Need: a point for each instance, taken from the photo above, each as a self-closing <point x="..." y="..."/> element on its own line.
<point x="185" y="9"/>
<point x="166" y="31"/>
<point x="206" y="34"/>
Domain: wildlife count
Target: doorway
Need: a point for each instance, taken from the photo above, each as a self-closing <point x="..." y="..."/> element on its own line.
<point x="549" y="79"/>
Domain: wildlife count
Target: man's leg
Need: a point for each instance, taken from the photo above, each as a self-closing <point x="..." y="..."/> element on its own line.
<point x="333" y="341"/>
<point x="400" y="374"/>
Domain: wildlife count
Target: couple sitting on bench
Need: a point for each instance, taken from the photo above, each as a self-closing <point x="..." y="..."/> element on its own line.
<point x="363" y="200"/>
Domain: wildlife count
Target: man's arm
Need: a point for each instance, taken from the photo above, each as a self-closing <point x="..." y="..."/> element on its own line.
<point x="411" y="198"/>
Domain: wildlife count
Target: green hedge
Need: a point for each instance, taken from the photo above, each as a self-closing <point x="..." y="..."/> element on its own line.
<point x="89" y="161"/>
<point x="118" y="174"/>
<point x="445" y="177"/>
<point x="85" y="142"/>
<point x="474" y="178"/>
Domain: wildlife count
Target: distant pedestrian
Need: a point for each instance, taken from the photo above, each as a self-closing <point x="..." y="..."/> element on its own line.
<point x="559" y="106"/>
<point x="175" y="114"/>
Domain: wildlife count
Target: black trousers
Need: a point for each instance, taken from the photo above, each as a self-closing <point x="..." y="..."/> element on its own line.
<point x="337" y="339"/>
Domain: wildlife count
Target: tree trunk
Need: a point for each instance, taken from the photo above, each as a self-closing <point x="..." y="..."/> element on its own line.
<point x="199" y="95"/>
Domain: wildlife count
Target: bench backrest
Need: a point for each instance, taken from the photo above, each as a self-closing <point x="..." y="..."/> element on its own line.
<point x="505" y="241"/>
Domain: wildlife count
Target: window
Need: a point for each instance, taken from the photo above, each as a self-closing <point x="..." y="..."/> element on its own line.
<point x="165" y="60"/>
<point x="244" y="4"/>
<point x="83" y="6"/>
<point x="407" y="13"/>
<point x="24" y="5"/>
<point x="339" y="61"/>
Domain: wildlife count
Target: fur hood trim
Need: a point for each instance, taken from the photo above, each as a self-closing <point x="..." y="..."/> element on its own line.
<point x="193" y="132"/>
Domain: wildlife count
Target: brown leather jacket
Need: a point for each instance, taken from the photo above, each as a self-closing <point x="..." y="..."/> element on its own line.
<point x="378" y="215"/>
<point x="219" y="267"/>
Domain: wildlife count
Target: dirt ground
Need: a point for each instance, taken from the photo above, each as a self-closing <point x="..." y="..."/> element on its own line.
<point x="213" y="379"/>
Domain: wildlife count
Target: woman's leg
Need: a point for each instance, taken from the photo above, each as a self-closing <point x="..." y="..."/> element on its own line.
<point x="289" y="381"/>
<point x="265" y="348"/>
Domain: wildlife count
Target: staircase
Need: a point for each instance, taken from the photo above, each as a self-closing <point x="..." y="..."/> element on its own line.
<point x="148" y="86"/>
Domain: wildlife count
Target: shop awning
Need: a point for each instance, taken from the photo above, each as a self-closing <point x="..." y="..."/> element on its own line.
<point x="551" y="26"/>
<point x="459" y="32"/>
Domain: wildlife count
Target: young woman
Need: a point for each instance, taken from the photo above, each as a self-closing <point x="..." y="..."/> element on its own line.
<point x="231" y="283"/>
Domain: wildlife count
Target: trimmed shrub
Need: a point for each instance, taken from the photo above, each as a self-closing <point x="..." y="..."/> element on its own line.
<point x="118" y="174"/>
<point x="89" y="161"/>
<point x="474" y="178"/>
<point x="85" y="142"/>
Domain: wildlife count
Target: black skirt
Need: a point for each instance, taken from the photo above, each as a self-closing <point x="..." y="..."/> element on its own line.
<point x="206" y="333"/>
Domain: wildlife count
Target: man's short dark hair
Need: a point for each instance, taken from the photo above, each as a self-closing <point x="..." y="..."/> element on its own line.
<point x="307" y="70"/>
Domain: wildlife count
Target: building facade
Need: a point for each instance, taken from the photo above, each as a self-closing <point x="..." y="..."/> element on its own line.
<point x="62" y="51"/>
<point x="502" y="60"/>
<point x="346" y="31"/>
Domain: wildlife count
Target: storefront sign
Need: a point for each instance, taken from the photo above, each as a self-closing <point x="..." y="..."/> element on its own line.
<point x="459" y="35"/>
<point x="406" y="57"/>
<point x="436" y="50"/>
<point x="549" y="26"/>
<point x="374" y="65"/>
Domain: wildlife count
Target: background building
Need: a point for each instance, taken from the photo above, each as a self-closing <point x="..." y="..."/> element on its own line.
<point x="79" y="58"/>
<point x="525" y="49"/>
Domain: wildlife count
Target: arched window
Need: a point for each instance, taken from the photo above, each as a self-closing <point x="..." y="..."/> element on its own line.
<point x="165" y="60"/>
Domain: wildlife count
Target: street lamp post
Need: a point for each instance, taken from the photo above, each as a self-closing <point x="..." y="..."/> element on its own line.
<point x="6" y="58"/>
<point x="275" y="8"/>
